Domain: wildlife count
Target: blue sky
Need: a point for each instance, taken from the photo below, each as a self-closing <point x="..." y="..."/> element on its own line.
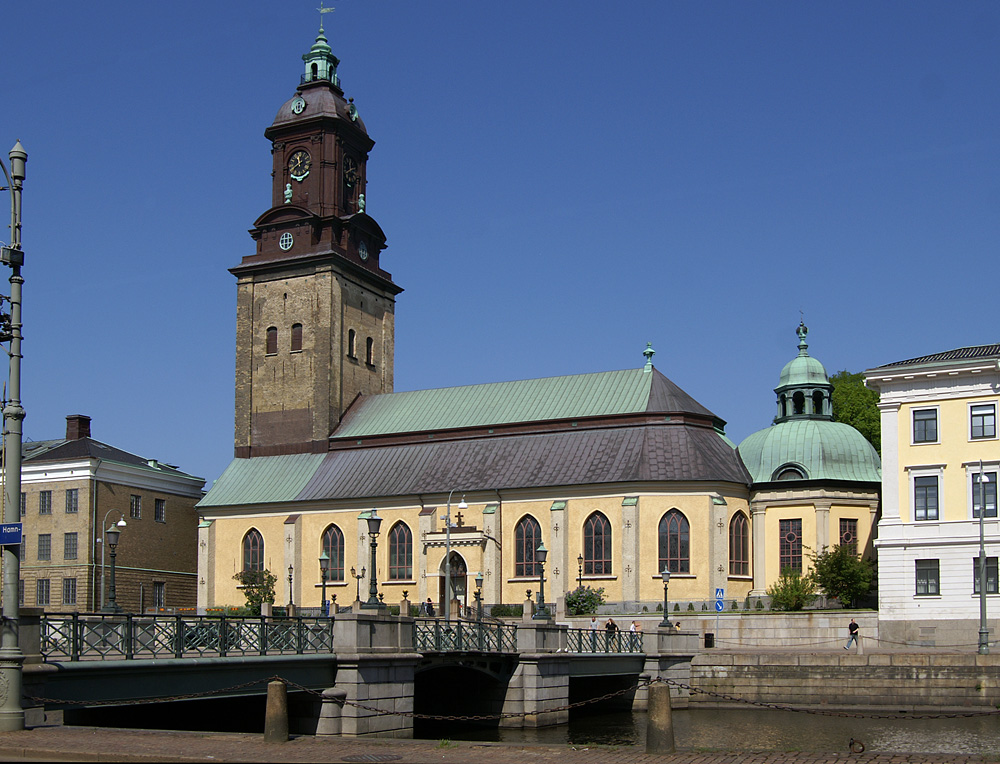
<point x="560" y="183"/>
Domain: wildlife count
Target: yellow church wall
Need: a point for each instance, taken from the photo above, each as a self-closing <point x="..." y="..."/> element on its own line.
<point x="772" y="528"/>
<point x="863" y="516"/>
<point x="228" y="557"/>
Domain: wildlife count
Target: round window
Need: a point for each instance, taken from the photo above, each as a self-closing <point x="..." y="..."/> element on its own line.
<point x="286" y="241"/>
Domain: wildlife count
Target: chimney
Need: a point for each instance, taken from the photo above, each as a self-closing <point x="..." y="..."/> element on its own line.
<point x="77" y="427"/>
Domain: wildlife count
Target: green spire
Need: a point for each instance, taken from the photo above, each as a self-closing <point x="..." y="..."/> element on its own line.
<point x="320" y="62"/>
<point x="649" y="353"/>
<point x="802" y="331"/>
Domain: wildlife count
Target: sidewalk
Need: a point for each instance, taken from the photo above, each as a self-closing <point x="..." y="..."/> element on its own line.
<point x="92" y="744"/>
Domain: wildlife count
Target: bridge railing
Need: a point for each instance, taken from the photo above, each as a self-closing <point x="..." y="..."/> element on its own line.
<point x="436" y="635"/>
<point x="79" y="636"/>
<point x="601" y="641"/>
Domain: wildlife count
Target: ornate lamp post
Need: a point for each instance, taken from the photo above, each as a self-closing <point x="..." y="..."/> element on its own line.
<point x="579" y="578"/>
<point x="984" y="632"/>
<point x="111" y="538"/>
<point x="121" y="524"/>
<point x="479" y="596"/>
<point x="291" y="597"/>
<point x="357" y="578"/>
<point x="447" y="552"/>
<point x="374" y="523"/>
<point x="324" y="567"/>
<point x="542" y="614"/>
<point x="665" y="623"/>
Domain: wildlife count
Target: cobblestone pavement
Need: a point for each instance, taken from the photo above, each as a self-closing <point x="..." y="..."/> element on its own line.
<point x="90" y="744"/>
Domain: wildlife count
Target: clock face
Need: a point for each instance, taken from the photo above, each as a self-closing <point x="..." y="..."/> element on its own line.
<point x="299" y="164"/>
<point x="363" y="251"/>
<point x="298" y="105"/>
<point x="350" y="171"/>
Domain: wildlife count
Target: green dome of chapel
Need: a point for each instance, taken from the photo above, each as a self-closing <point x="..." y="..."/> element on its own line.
<point x="804" y="443"/>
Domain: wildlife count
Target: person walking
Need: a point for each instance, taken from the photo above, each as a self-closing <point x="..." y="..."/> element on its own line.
<point x="593" y="633"/>
<point x="852" y="632"/>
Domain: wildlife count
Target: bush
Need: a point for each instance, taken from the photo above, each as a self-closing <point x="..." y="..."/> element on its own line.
<point x="677" y="607"/>
<point x="507" y="611"/>
<point x="690" y="606"/>
<point x="584" y="601"/>
<point x="792" y="591"/>
<point x="759" y="605"/>
<point x="841" y="573"/>
<point x="258" y="588"/>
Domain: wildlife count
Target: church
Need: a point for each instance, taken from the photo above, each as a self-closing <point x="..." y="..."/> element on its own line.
<point x="602" y="480"/>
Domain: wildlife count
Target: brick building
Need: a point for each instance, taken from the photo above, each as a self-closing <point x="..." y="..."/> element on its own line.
<point x="74" y="486"/>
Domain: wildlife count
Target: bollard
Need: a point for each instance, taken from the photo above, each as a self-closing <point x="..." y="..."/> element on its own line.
<point x="330" y="721"/>
<point x="276" y="715"/>
<point x="659" y="726"/>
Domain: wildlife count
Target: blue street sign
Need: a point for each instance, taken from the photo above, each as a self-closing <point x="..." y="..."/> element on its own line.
<point x="10" y="533"/>
<point x="718" y="606"/>
<point x="720" y="594"/>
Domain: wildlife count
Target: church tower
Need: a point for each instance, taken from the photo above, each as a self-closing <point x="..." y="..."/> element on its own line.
<point x="314" y="323"/>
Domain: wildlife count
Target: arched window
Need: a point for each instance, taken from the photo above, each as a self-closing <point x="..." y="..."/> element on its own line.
<point x="296" y="337"/>
<point x="253" y="550"/>
<point x="527" y="537"/>
<point x="818" y="402"/>
<point x="400" y="553"/>
<point x="272" y="340"/>
<point x="333" y="545"/>
<point x="739" y="545"/>
<point x="352" y="343"/>
<point x="370" y="352"/>
<point x="675" y="542"/>
<point x="799" y="402"/>
<point x="597" y="545"/>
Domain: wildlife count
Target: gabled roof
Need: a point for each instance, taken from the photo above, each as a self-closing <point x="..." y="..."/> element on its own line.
<point x="37" y="451"/>
<point x="972" y="353"/>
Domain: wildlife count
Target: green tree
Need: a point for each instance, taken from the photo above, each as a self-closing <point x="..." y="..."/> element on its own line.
<point x="258" y="588"/>
<point x="857" y="405"/>
<point x="843" y="574"/>
<point x="584" y="601"/>
<point x="792" y="591"/>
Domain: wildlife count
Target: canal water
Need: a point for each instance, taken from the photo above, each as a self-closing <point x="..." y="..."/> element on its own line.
<point x="761" y="730"/>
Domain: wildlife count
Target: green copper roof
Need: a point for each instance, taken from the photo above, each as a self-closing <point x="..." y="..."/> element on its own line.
<point x="262" y="480"/>
<point x="818" y="449"/>
<point x="803" y="369"/>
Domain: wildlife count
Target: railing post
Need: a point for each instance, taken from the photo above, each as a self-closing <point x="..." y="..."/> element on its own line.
<point x="299" y="646"/>
<point x="437" y="635"/>
<point x="74" y="638"/>
<point x="178" y="637"/>
<point x="129" y="634"/>
<point x="263" y="635"/>
<point x="223" y="636"/>
<point x="459" y="636"/>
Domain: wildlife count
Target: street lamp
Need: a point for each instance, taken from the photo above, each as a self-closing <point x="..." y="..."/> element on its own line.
<point x="111" y="537"/>
<point x="579" y="578"/>
<point x="357" y="577"/>
<point x="11" y="657"/>
<point x="121" y="524"/>
<point x="540" y="555"/>
<point x="447" y="552"/>
<point x="479" y="596"/>
<point x="984" y="632"/>
<point x="374" y="523"/>
<point x="324" y="566"/>
<point x="291" y="596"/>
<point x="665" y="623"/>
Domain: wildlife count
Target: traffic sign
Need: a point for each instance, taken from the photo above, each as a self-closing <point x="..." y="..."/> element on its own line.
<point x="10" y="533"/>
<point x="718" y="606"/>
<point x="720" y="594"/>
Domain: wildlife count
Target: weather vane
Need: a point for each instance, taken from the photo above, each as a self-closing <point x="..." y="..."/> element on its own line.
<point x="323" y="10"/>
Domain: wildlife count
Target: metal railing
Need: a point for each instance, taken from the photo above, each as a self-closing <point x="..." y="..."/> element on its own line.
<point x="602" y="641"/>
<point x="434" y="635"/>
<point x="79" y="637"/>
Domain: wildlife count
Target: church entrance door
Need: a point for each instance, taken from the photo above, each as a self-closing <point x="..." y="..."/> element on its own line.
<point x="459" y="579"/>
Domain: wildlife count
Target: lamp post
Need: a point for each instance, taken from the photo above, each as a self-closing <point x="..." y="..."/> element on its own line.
<point x="665" y="623"/>
<point x="121" y="524"/>
<point x="11" y="657"/>
<point x="479" y="596"/>
<point x="291" y="596"/>
<point x="579" y="578"/>
<point x="324" y="566"/>
<point x="357" y="578"/>
<point x="447" y="552"/>
<point x="374" y="523"/>
<point x="984" y="632"/>
<point x="111" y="538"/>
<point x="542" y="614"/>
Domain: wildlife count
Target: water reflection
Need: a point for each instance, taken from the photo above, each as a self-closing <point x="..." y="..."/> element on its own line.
<point x="763" y="730"/>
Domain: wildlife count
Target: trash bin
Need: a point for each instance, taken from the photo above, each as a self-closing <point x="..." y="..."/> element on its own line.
<point x="709" y="639"/>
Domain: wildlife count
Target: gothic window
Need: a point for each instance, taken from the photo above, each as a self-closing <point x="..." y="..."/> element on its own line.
<point x="400" y="553"/>
<point x="597" y="545"/>
<point x="272" y="340"/>
<point x="527" y="537"/>
<point x="253" y="550"/>
<point x="790" y="545"/>
<point x="333" y="545"/>
<point x="296" y="337"/>
<point x="675" y="543"/>
<point x="352" y="343"/>
<point x="370" y="352"/>
<point x="739" y="545"/>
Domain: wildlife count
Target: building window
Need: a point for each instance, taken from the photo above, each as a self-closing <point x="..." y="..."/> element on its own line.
<point x="370" y="351"/>
<point x="333" y="545"/>
<point x="24" y="547"/>
<point x="272" y="340"/>
<point x="991" y="575"/>
<point x="42" y="591"/>
<point x="849" y="534"/>
<point x="45" y="502"/>
<point x="925" y="429"/>
<point x="44" y="546"/>
<point x="674" y="543"/>
<point x="527" y="537"/>
<point x="159" y="594"/>
<point x="925" y="498"/>
<point x="739" y="545"/>
<point x="928" y="578"/>
<point x="135" y="507"/>
<point x="352" y="343"/>
<point x="69" y="591"/>
<point x="296" y="338"/>
<point x="790" y="545"/>
<point x="253" y="550"/>
<point x="983" y="421"/>
<point x="400" y="553"/>
<point x="24" y="504"/>
<point x="69" y="546"/>
<point x="986" y="489"/>
<point x="160" y="510"/>
<point x="72" y="501"/>
<point x="597" y="545"/>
